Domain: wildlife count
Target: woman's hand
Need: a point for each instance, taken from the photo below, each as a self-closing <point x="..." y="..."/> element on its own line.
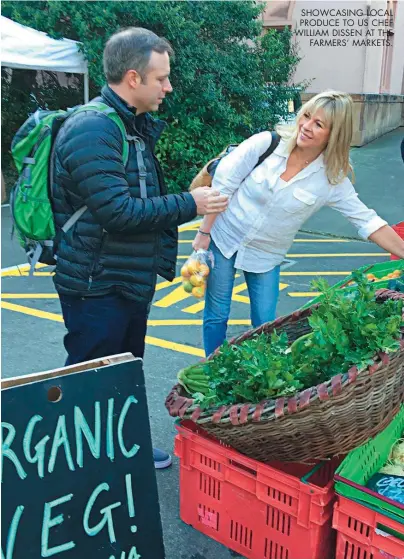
<point x="201" y="241"/>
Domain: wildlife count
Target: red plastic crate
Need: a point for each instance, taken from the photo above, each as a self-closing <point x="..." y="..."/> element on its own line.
<point x="260" y="511"/>
<point x="363" y="533"/>
<point x="399" y="229"/>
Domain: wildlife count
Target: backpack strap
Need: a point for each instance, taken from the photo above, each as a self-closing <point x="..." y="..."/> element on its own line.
<point x="140" y="147"/>
<point x="34" y="253"/>
<point x="274" y="144"/>
<point x="72" y="220"/>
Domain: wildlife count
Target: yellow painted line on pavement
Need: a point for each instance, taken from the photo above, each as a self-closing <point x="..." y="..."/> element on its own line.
<point x="241" y="299"/>
<point x="193" y="309"/>
<point x="239" y="288"/>
<point x="188" y="241"/>
<point x="181" y="348"/>
<point x="193" y="322"/>
<point x="189" y="226"/>
<point x="31" y="312"/>
<point x="18" y="273"/>
<point x="22" y="268"/>
<point x="29" y="296"/>
<point x="338" y="254"/>
<point x="175" y="296"/>
<point x="58" y="317"/>
<point x="315" y="273"/>
<point x="321" y="241"/>
<point x="199" y="306"/>
<point x="327" y="255"/>
<point x="304" y="294"/>
<point x="164" y="284"/>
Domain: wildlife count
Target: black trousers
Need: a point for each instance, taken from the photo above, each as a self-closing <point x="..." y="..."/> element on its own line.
<point x="101" y="326"/>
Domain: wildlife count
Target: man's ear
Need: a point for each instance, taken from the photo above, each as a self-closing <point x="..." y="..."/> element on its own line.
<point x="133" y="79"/>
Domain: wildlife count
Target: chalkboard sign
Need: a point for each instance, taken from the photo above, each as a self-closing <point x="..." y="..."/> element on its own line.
<point x="389" y="486"/>
<point x="78" y="478"/>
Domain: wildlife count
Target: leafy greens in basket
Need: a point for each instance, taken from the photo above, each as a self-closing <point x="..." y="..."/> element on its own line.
<point x="347" y="329"/>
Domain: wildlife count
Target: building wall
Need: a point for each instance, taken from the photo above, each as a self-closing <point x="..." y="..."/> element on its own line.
<point x="357" y="69"/>
<point x="327" y="66"/>
<point x="373" y="73"/>
<point x="397" y="70"/>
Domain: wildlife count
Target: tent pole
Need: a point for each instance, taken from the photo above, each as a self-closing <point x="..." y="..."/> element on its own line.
<point x="86" y="88"/>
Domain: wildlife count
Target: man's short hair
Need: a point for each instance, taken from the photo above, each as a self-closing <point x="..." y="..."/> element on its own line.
<point x="130" y="49"/>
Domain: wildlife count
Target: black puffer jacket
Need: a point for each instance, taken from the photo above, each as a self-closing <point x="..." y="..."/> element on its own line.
<point x="122" y="241"/>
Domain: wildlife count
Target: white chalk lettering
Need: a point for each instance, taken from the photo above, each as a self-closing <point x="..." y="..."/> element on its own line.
<point x="39" y="455"/>
<point x="6" y="451"/>
<point x="109" y="434"/>
<point x="43" y="453"/>
<point x="121" y="422"/>
<point x="60" y="439"/>
<point x="12" y="533"/>
<point x="82" y="428"/>
<point x="49" y="523"/>
<point x="133" y="554"/>
<point x="106" y="512"/>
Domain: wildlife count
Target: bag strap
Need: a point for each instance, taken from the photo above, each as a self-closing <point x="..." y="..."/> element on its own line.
<point x="212" y="166"/>
<point x="72" y="219"/>
<point x="140" y="147"/>
<point x="274" y="144"/>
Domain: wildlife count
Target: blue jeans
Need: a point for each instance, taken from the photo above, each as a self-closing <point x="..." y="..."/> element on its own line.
<point x="263" y="290"/>
<point x="102" y="326"/>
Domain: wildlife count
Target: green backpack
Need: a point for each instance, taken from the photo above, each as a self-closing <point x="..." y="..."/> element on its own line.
<point x="31" y="196"/>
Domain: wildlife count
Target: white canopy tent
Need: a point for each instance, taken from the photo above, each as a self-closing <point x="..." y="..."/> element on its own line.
<point x="26" y="48"/>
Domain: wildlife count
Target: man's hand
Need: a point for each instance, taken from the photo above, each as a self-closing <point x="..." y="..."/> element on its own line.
<point x="209" y="201"/>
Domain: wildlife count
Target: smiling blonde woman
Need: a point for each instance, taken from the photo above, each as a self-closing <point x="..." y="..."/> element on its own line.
<point x="268" y="205"/>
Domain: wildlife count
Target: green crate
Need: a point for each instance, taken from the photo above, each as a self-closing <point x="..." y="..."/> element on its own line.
<point x="379" y="269"/>
<point x="362" y="463"/>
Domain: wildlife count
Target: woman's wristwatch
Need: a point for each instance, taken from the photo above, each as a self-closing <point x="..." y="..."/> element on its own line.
<point x="203" y="233"/>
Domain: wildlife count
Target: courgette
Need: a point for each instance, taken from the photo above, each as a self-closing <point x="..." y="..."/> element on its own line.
<point x="299" y="345"/>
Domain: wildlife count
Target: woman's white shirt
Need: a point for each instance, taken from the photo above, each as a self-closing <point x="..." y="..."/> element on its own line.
<point x="265" y="212"/>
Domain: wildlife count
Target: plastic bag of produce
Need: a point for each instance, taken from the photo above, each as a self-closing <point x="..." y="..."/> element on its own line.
<point x="195" y="272"/>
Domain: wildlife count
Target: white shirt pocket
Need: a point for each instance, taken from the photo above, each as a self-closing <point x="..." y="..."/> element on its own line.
<point x="300" y="201"/>
<point x="257" y="175"/>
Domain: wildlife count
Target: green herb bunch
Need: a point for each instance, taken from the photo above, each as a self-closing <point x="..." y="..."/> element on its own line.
<point x="257" y="369"/>
<point x="347" y="328"/>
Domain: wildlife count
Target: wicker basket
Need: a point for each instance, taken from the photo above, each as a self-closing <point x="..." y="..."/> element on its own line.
<point x="323" y="421"/>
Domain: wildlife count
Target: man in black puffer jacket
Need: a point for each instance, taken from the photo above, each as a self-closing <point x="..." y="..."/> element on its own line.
<point x="108" y="261"/>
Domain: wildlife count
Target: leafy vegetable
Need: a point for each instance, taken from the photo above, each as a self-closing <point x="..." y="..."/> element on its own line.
<point x="347" y="329"/>
<point x="194" y="379"/>
<point x="256" y="369"/>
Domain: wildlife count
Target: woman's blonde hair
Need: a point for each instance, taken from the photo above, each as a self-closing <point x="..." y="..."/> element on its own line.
<point x="338" y="109"/>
